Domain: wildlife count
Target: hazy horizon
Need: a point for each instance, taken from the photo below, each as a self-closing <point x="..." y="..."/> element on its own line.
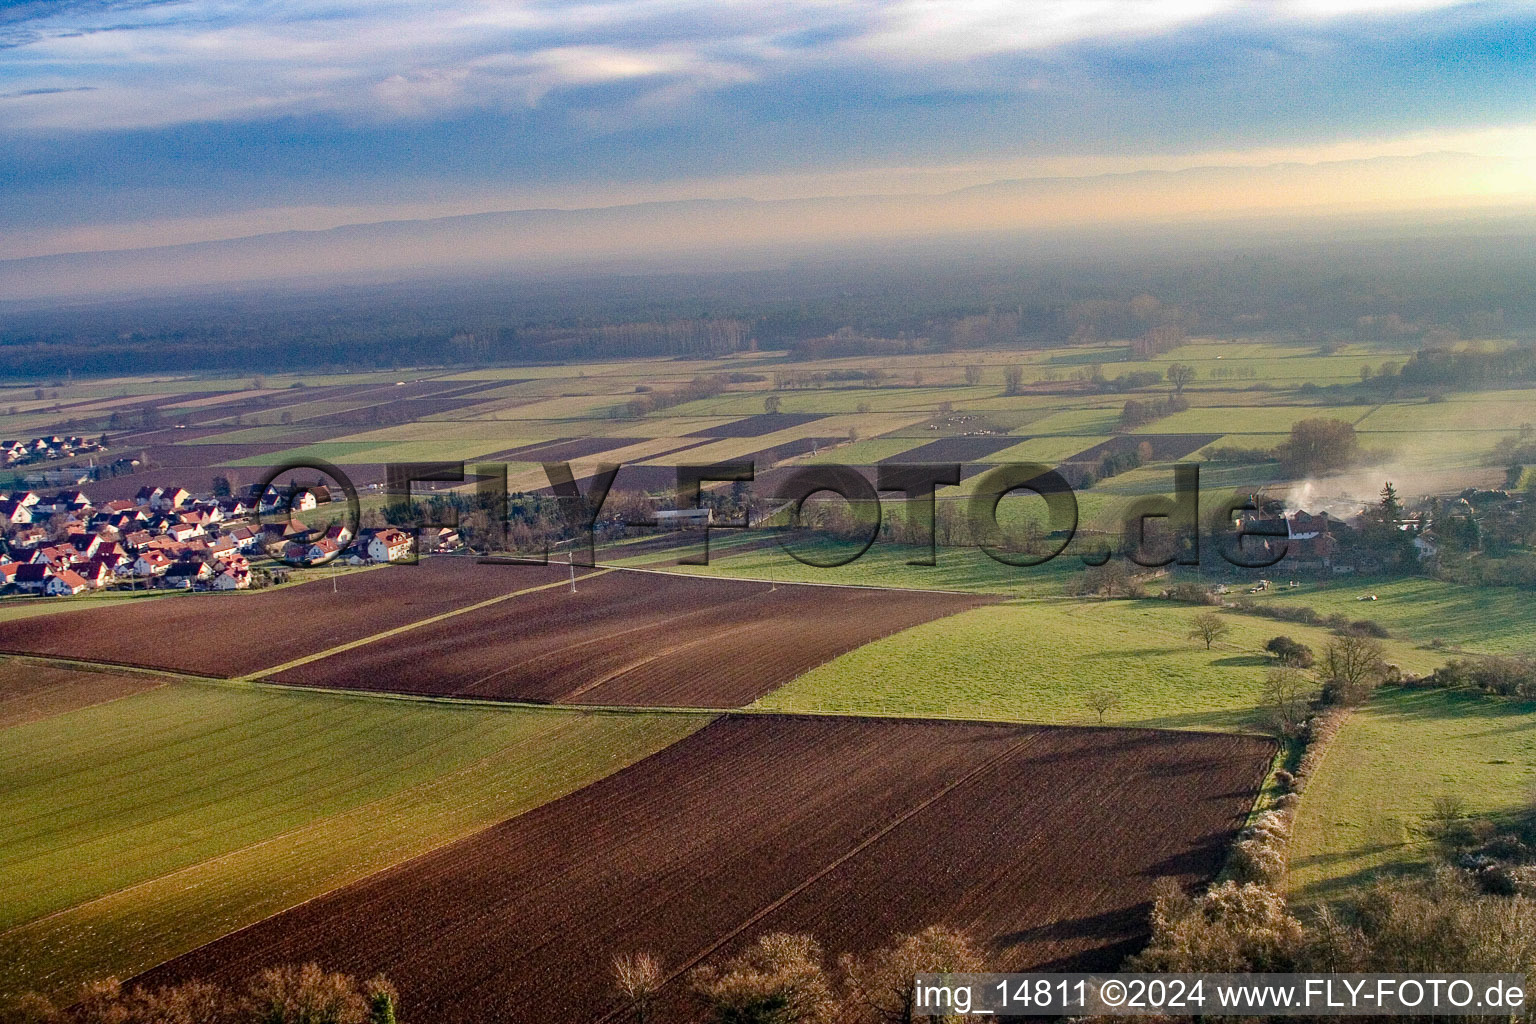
<point x="137" y="125"/>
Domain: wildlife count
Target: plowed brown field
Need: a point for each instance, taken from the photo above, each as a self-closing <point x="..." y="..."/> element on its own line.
<point x="1043" y="843"/>
<point x="234" y="634"/>
<point x="30" y="692"/>
<point x="632" y="638"/>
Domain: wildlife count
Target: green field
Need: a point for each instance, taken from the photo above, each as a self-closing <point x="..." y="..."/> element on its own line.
<point x="1364" y="810"/>
<point x="138" y="829"/>
<point x="142" y="828"/>
<point x="1492" y="620"/>
<point x="1036" y="661"/>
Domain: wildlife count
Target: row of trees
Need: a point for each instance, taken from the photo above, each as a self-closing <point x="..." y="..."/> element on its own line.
<point x="648" y="401"/>
<point x="1138" y="413"/>
<point x="1443" y="923"/>
<point x="279" y="995"/>
<point x="787" y="979"/>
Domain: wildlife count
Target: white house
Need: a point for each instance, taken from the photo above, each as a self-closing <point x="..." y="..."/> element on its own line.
<point x="389" y="546"/>
<point x="66" y="583"/>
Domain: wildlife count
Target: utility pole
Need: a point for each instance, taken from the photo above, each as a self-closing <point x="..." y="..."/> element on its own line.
<point x="570" y="561"/>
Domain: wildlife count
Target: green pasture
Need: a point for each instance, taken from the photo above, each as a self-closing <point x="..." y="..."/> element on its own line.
<point x="1050" y="450"/>
<point x="1491" y="620"/>
<point x="1099" y="420"/>
<point x="1267" y="419"/>
<point x="143" y="828"/>
<point x="1038" y="661"/>
<point x="344" y="453"/>
<point x="1364" y="811"/>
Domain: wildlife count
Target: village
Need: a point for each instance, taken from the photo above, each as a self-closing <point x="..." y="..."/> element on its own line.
<point x="51" y="448"/>
<point x="166" y="538"/>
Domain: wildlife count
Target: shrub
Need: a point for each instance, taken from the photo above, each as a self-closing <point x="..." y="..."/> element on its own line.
<point x="1503" y="677"/>
<point x="279" y="995"/>
<point x="1233" y="927"/>
<point x="778" y="980"/>
<point x="1254" y="860"/>
<point x="1191" y="593"/>
<point x="878" y="987"/>
<point x="1367" y="627"/>
<point x="1290" y="652"/>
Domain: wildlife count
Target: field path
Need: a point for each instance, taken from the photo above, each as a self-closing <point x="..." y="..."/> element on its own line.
<point x="433" y="620"/>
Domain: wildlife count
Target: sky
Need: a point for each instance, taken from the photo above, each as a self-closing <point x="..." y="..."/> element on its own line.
<point x="129" y="123"/>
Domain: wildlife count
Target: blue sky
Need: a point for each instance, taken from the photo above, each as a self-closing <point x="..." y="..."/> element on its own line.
<point x="139" y="122"/>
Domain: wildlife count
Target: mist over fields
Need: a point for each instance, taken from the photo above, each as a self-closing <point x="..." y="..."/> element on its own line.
<point x="1198" y="207"/>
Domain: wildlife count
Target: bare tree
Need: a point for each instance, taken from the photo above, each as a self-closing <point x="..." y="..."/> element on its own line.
<point x="1180" y="376"/>
<point x="1286" y="698"/>
<point x="772" y="403"/>
<point x="1013" y="380"/>
<point x="637" y="978"/>
<point x="1107" y="580"/>
<point x="973" y="375"/>
<point x="777" y="980"/>
<point x="881" y="986"/>
<point x="1103" y="700"/>
<point x="1209" y="627"/>
<point x="1351" y="667"/>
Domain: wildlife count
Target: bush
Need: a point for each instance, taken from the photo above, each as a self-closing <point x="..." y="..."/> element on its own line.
<point x="1367" y="627"/>
<point x="1290" y="652"/>
<point x="1254" y="860"/>
<point x="778" y="980"/>
<point x="1234" y="927"/>
<point x="278" y="995"/>
<point x="1503" y="677"/>
<point x="1191" y="593"/>
<point x="878" y="987"/>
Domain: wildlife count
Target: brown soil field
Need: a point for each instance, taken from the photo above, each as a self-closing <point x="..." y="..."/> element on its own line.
<point x="239" y="633"/>
<point x="198" y="456"/>
<point x="760" y="424"/>
<point x="31" y="692"/>
<point x="955" y="449"/>
<point x="648" y="639"/>
<point x="1165" y="447"/>
<point x="571" y="448"/>
<point x="768" y="457"/>
<point x="1042" y="843"/>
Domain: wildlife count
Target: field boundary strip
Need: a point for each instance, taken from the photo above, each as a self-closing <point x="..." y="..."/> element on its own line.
<point x="430" y="620"/>
<point x="103" y="664"/>
<point x="798" y="583"/>
<point x="764" y="911"/>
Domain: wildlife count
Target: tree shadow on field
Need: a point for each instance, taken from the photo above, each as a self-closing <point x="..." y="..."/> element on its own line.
<point x="1356" y="881"/>
<point x="1500" y="714"/>
<point x="1243" y="661"/>
<point x="1108" y="924"/>
<point x="1202" y="858"/>
<point x="1117" y="653"/>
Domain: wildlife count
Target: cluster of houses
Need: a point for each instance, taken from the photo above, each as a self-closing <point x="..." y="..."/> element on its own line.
<point x="1322" y="543"/>
<point x="64" y="544"/>
<point x="46" y="449"/>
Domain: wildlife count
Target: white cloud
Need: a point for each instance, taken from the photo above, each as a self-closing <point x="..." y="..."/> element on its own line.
<point x="153" y="64"/>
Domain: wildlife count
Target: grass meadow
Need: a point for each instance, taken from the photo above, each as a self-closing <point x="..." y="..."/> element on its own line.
<point x="1363" y="813"/>
<point x="238" y="802"/>
<point x="1038" y="661"/>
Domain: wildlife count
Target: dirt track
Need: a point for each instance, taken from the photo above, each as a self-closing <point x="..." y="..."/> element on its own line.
<point x="632" y="638"/>
<point x="1043" y="843"/>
